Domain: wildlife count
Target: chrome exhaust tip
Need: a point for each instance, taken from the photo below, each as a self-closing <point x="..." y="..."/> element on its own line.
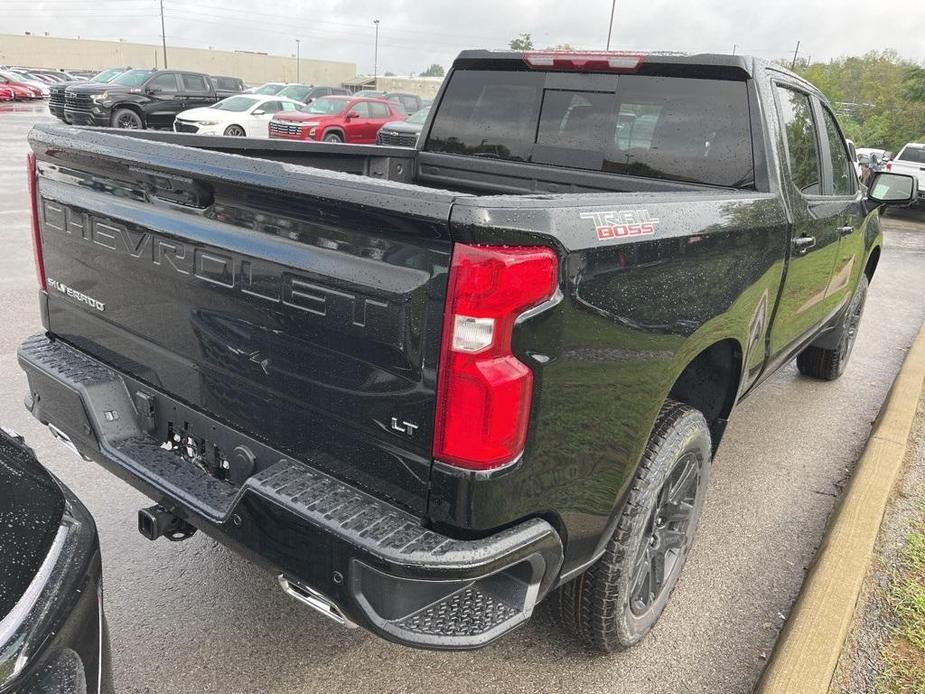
<point x="66" y="440"/>
<point x="315" y="600"/>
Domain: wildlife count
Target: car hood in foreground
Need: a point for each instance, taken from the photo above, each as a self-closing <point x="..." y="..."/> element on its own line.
<point x="30" y="514"/>
<point x="203" y="113"/>
<point x="403" y="127"/>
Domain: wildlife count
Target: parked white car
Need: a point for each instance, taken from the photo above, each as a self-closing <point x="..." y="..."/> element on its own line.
<point x="911" y="161"/>
<point x="243" y="115"/>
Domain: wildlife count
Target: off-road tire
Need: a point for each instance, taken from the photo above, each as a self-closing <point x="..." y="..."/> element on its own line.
<point x="829" y="364"/>
<point x="596" y="606"/>
<point x="123" y="116"/>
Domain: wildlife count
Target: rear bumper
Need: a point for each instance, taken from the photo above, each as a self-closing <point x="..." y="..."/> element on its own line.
<point x="378" y="564"/>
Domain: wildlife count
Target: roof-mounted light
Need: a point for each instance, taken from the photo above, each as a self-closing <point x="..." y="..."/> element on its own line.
<point x="583" y="61"/>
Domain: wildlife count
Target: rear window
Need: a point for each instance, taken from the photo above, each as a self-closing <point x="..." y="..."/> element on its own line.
<point x="675" y="128"/>
<point x="913" y="154"/>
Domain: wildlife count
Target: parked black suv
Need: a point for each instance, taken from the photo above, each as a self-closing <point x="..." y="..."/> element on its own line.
<point x="138" y="99"/>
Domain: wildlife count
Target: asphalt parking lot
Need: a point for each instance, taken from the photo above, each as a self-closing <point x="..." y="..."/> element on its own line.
<point x="193" y="617"/>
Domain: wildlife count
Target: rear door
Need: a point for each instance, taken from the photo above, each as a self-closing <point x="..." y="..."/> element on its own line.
<point x="846" y="204"/>
<point x="379" y="116"/>
<point x="165" y="100"/>
<point x="196" y="90"/>
<point x="358" y="129"/>
<point x="805" y="301"/>
<point x="302" y="308"/>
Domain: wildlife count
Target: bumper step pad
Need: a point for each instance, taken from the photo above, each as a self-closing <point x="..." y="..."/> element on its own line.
<point x="401" y="579"/>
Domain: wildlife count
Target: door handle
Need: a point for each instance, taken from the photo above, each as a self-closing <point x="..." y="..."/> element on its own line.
<point x="845" y="231"/>
<point x="804" y="243"/>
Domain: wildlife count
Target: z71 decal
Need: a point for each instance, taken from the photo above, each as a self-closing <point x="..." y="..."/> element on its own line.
<point x="617" y="225"/>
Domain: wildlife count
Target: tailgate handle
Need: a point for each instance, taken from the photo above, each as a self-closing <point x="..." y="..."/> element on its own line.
<point x="176" y="190"/>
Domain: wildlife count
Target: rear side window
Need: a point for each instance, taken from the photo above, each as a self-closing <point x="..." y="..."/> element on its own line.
<point x="682" y="129"/>
<point x="842" y="170"/>
<point x="913" y="154"/>
<point x="802" y="148"/>
<point x="194" y="83"/>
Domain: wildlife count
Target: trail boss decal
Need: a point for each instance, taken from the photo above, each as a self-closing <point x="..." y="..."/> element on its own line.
<point x="616" y="225"/>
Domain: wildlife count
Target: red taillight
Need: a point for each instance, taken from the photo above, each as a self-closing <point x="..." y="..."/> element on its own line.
<point x="889" y="166"/>
<point x="36" y="229"/>
<point x="484" y="392"/>
<point x="584" y="62"/>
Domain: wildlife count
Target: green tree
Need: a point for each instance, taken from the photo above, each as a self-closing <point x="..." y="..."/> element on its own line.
<point x="523" y="42"/>
<point x="878" y="97"/>
<point x="433" y="71"/>
<point x="914" y="83"/>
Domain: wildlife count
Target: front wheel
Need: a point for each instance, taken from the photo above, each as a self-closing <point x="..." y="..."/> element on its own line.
<point x="619" y="598"/>
<point x="235" y="131"/>
<point x="333" y="137"/>
<point x="828" y="364"/>
<point x="127" y="119"/>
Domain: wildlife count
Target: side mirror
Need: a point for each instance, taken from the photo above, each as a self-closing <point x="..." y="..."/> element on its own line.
<point x="258" y="112"/>
<point x="352" y="115"/>
<point x="891" y="188"/>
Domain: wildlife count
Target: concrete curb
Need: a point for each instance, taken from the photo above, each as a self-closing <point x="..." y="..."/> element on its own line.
<point x="808" y="649"/>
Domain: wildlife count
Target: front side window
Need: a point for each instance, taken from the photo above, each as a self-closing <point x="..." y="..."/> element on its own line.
<point x="675" y="128"/>
<point x="361" y="108"/>
<point x="166" y="84"/>
<point x="271" y="107"/>
<point x="842" y="171"/>
<point x="800" y="132"/>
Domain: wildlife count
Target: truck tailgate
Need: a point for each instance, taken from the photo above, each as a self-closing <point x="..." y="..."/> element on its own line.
<point x="302" y="307"/>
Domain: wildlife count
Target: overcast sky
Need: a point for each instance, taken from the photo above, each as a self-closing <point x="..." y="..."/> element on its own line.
<point x="414" y="34"/>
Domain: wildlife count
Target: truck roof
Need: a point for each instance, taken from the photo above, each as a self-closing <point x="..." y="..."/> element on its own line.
<point x="711" y="65"/>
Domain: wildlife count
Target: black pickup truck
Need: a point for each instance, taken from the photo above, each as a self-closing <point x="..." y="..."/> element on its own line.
<point x="138" y="99"/>
<point x="429" y="388"/>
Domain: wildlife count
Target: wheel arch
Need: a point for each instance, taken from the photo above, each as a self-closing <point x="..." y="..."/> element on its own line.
<point x="334" y="129"/>
<point x="710" y="383"/>
<point x="131" y="107"/>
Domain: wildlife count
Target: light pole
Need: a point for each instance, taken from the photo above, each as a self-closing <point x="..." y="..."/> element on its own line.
<point x="613" y="8"/>
<point x="376" y="55"/>
<point x="298" y="59"/>
<point x="163" y="35"/>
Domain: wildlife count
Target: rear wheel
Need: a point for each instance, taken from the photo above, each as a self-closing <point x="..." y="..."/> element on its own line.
<point x="620" y="597"/>
<point x="235" y="131"/>
<point x="333" y="137"/>
<point x="829" y="363"/>
<point x="127" y="119"/>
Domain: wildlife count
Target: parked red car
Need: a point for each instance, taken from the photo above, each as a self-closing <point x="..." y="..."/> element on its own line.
<point x="20" y="90"/>
<point x="6" y="94"/>
<point x="336" y="119"/>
